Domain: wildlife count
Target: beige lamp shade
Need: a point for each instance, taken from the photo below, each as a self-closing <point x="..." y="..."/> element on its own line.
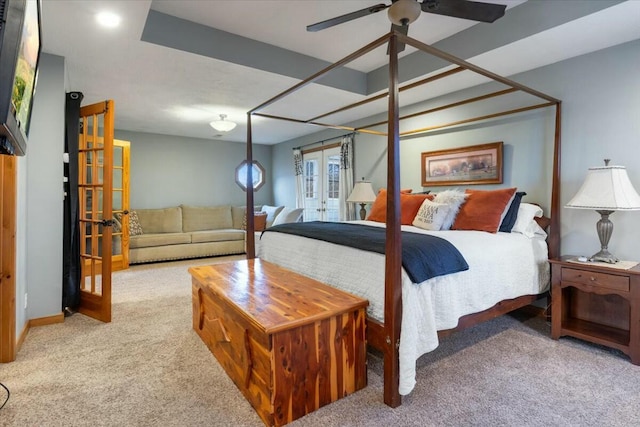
<point x="606" y="188"/>
<point x="362" y="193"/>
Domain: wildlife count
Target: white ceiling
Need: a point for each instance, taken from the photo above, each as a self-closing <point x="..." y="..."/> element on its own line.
<point x="165" y="90"/>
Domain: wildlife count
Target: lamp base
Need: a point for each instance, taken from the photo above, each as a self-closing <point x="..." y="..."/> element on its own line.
<point x="363" y="211"/>
<point x="604" y="256"/>
<point x="605" y="228"/>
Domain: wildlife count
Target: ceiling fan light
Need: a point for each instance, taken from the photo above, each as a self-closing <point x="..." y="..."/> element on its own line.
<point x="404" y="12"/>
<point x="223" y="125"/>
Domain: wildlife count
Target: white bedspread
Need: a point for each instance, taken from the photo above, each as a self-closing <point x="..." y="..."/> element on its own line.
<point x="501" y="266"/>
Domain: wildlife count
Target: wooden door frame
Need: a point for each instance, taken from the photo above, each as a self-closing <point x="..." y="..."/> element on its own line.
<point x="8" y="206"/>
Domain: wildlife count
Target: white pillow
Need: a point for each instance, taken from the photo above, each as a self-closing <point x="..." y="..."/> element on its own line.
<point x="533" y="229"/>
<point x="272" y="213"/>
<point x="431" y="215"/>
<point x="288" y="215"/>
<point x="453" y="198"/>
<point x="526" y="213"/>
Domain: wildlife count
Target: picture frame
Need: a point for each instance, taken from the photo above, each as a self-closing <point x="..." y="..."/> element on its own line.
<point x="475" y="164"/>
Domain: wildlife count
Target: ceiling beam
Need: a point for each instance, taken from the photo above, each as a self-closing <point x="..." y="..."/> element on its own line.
<point x="196" y="38"/>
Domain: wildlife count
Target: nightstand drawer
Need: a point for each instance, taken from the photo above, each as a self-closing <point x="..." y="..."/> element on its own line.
<point x="603" y="280"/>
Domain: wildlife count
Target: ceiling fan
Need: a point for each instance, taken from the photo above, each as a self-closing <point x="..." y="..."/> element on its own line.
<point x="403" y="12"/>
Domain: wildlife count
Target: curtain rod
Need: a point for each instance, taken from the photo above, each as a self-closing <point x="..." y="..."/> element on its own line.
<point x="324" y="140"/>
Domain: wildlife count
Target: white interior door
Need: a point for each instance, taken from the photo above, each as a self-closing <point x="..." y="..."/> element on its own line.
<point x="321" y="185"/>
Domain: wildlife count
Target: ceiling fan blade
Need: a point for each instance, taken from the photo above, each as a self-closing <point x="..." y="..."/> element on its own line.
<point x="348" y="17"/>
<point x="403" y="29"/>
<point x="475" y="11"/>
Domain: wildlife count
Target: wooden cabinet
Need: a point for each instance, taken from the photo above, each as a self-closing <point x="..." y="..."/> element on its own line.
<point x="290" y="343"/>
<point x="596" y="303"/>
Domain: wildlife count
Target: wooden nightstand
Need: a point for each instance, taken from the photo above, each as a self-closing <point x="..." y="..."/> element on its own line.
<point x="596" y="304"/>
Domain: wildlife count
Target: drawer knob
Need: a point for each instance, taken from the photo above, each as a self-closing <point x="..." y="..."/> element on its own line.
<point x="593" y="279"/>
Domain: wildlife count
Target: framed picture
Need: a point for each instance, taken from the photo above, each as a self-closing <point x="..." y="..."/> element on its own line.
<point x="477" y="164"/>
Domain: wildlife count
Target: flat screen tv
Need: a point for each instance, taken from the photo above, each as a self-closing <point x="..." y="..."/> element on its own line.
<point x="20" y="46"/>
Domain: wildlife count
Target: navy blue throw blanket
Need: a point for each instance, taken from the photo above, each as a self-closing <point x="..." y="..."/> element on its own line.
<point x="423" y="256"/>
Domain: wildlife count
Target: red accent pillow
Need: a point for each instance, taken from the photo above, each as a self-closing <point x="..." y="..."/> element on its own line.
<point x="483" y="210"/>
<point x="409" y="206"/>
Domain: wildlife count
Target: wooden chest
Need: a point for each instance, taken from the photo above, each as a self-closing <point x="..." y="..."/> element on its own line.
<point x="291" y="344"/>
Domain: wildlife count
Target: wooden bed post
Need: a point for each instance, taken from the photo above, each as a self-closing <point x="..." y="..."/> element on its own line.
<point x="250" y="237"/>
<point x="554" y="232"/>
<point x="393" y="249"/>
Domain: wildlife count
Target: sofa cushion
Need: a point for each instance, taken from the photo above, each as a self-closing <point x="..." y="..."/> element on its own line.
<point x="237" y="216"/>
<point x="217" y="235"/>
<point x="158" y="239"/>
<point x="167" y="220"/>
<point x="198" y="218"/>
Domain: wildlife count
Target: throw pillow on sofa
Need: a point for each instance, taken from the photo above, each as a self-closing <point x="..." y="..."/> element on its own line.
<point x="135" y="228"/>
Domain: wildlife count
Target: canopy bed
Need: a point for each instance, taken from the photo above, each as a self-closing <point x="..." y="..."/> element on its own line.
<point x="385" y="335"/>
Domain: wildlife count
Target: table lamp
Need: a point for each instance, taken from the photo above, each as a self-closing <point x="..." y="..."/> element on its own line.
<point x="362" y="193"/>
<point x="606" y="189"/>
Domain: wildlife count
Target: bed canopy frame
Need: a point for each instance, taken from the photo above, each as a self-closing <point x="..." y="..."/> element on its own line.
<point x="386" y="337"/>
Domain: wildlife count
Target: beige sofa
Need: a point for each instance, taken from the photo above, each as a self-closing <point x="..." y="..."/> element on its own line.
<point x="187" y="232"/>
<point x="184" y="231"/>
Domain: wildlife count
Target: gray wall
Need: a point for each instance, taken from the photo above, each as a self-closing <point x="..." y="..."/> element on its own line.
<point x="523" y="136"/>
<point x="600" y="116"/>
<point x="40" y="198"/>
<point x="170" y="170"/>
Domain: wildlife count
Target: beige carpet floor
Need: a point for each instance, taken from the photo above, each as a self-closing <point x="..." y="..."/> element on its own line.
<point x="149" y="368"/>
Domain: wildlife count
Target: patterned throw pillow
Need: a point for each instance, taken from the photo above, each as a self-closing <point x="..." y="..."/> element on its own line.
<point x="135" y="229"/>
<point x="431" y="215"/>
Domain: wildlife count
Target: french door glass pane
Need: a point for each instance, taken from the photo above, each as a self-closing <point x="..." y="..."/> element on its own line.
<point x="332" y="176"/>
<point x="311" y="183"/>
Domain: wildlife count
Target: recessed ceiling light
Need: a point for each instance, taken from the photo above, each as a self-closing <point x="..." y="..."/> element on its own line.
<point x="108" y="19"/>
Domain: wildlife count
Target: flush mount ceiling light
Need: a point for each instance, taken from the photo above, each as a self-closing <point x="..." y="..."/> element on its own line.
<point x="108" y="19"/>
<point x="223" y="125"/>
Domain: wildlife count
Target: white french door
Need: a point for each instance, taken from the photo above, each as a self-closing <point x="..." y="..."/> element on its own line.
<point x="321" y="185"/>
